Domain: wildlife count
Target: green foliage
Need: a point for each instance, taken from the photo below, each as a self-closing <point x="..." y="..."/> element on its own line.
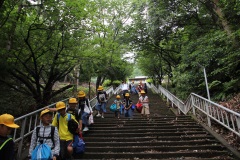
<point x="51" y="42"/>
<point x="60" y="40"/>
<point x="136" y="71"/>
<point x="149" y="80"/>
<point x="116" y="83"/>
<point x="107" y="83"/>
<point x="179" y="39"/>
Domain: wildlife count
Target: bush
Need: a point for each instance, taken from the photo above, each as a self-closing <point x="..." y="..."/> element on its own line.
<point x="116" y="83"/>
<point x="107" y="83"/>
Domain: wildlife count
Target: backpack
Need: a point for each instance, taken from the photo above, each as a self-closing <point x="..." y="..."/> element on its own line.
<point x="78" y="145"/>
<point x="3" y="143"/>
<point x="76" y="113"/>
<point x="82" y="103"/>
<point x="113" y="107"/>
<point x="43" y="151"/>
<point x="87" y="109"/>
<point x="72" y="124"/>
<point x="52" y="135"/>
<point x="133" y="107"/>
<point x="102" y="97"/>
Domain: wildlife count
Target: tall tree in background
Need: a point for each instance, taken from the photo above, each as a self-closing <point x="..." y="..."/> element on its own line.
<point x="188" y="34"/>
<point x="41" y="41"/>
<point x="108" y="25"/>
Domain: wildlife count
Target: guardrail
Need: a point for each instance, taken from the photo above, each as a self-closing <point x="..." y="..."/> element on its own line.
<point x="204" y="108"/>
<point x="29" y="121"/>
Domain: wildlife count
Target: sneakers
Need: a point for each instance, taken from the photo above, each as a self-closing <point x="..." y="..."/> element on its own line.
<point x="85" y="129"/>
<point x="98" y="115"/>
<point x="102" y="117"/>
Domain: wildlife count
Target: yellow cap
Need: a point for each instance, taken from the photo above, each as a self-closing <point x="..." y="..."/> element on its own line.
<point x="127" y="95"/>
<point x="60" y="105"/>
<point x="72" y="100"/>
<point x="118" y="96"/>
<point x="100" y="88"/>
<point x="8" y="120"/>
<point x="44" y="112"/>
<point x="81" y="94"/>
<point x="142" y="92"/>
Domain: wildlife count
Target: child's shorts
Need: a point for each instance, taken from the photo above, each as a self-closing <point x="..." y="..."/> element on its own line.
<point x="145" y="110"/>
<point x="101" y="107"/>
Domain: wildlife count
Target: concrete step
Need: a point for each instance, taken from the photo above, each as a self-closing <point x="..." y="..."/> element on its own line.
<point x="147" y="138"/>
<point x="129" y="124"/>
<point x="127" y="127"/>
<point x="141" y="130"/>
<point x="161" y="149"/>
<point x="151" y="154"/>
<point x="153" y="143"/>
<point x="151" y="134"/>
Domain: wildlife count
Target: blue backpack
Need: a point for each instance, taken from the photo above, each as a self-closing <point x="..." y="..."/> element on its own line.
<point x="113" y="107"/>
<point x="78" y="145"/>
<point x="133" y="107"/>
<point x="41" y="152"/>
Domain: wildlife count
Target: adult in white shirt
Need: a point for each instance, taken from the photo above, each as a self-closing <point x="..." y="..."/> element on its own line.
<point x="124" y="88"/>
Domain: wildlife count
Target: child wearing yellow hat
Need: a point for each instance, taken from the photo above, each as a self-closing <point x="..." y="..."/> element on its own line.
<point x="73" y="109"/>
<point x="85" y="108"/>
<point x="102" y="98"/>
<point x="128" y="112"/>
<point x="46" y="133"/>
<point x="145" y="102"/>
<point x="60" y="120"/>
<point x="6" y="143"/>
<point x="118" y="103"/>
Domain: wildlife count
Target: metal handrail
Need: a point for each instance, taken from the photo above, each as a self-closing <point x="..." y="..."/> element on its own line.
<point x="29" y="121"/>
<point x="209" y="109"/>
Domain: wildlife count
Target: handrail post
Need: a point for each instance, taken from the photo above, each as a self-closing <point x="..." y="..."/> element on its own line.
<point x="206" y="82"/>
<point x="207" y="110"/>
<point x="23" y="126"/>
<point x="192" y="104"/>
<point x="238" y="123"/>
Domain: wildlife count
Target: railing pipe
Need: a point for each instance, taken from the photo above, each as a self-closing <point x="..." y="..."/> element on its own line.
<point x="213" y="111"/>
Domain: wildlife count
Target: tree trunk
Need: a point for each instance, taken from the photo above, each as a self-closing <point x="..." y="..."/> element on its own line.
<point x="222" y="19"/>
<point x="12" y="30"/>
<point x="98" y="83"/>
<point x="1" y="3"/>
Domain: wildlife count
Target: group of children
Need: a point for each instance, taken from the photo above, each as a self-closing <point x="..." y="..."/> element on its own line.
<point x="137" y="90"/>
<point x="127" y="104"/>
<point x="55" y="131"/>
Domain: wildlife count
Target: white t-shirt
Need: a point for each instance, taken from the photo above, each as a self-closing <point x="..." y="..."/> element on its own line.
<point x="124" y="86"/>
<point x="144" y="99"/>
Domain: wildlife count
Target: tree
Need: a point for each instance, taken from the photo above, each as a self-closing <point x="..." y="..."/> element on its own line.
<point x="108" y="49"/>
<point x="41" y="45"/>
<point x="182" y="34"/>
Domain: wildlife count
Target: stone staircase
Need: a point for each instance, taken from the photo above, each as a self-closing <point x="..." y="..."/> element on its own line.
<point x="164" y="137"/>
